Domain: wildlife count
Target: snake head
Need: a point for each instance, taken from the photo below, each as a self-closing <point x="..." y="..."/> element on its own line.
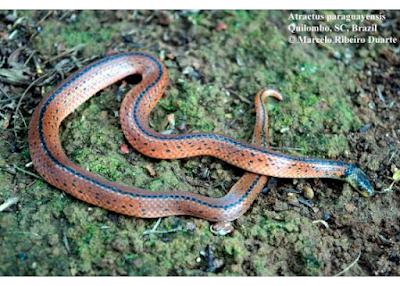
<point x="359" y="181"/>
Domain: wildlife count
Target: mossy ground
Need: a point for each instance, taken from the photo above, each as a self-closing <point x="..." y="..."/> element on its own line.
<point x="215" y="74"/>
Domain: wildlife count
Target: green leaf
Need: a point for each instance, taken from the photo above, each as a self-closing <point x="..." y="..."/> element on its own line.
<point x="396" y="175"/>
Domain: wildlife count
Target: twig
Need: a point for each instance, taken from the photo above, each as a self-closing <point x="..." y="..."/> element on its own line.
<point x="63" y="16"/>
<point x="380" y="95"/>
<point x="44" y="18"/>
<point x="22" y="97"/>
<point x="322" y="222"/>
<point x="3" y="116"/>
<point x="391" y="157"/>
<point x="66" y="244"/>
<point x="29" y="58"/>
<point x="179" y="228"/>
<point x="241" y="97"/>
<point x="286" y="148"/>
<point x="348" y="267"/>
<point x="27" y="172"/>
<point x="23" y="119"/>
<point x="2" y="61"/>
<point x="34" y="34"/>
<point x="153" y="230"/>
<point x="8" y="203"/>
<point x="24" y="232"/>
<point x="5" y="93"/>
<point x="67" y="52"/>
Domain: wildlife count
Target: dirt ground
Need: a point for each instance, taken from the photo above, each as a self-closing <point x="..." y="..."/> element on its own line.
<point x="342" y="102"/>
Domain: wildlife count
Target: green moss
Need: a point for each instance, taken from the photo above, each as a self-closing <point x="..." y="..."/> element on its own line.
<point x="65" y="236"/>
<point x="85" y="29"/>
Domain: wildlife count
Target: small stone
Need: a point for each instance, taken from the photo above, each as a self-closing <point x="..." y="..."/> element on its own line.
<point x="170" y="56"/>
<point x="222" y="228"/>
<point x="280" y="206"/>
<point x="165" y="18"/>
<point x="292" y="198"/>
<point x="365" y="128"/>
<point x="221" y="26"/>
<point x="9" y="18"/>
<point x="308" y="193"/>
<point x="150" y="169"/>
<point x="218" y="263"/>
<point x="326" y="216"/>
<point x="5" y="121"/>
<point x="265" y="191"/>
<point x="188" y="70"/>
<point x="350" y="208"/>
<point x="182" y="127"/>
<point x="190" y="226"/>
<point x="124" y="148"/>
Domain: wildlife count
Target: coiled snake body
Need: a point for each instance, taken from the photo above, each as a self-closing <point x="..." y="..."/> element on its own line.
<point x="53" y="165"/>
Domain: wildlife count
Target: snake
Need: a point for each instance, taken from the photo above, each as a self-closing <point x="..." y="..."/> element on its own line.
<point x="53" y="165"/>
